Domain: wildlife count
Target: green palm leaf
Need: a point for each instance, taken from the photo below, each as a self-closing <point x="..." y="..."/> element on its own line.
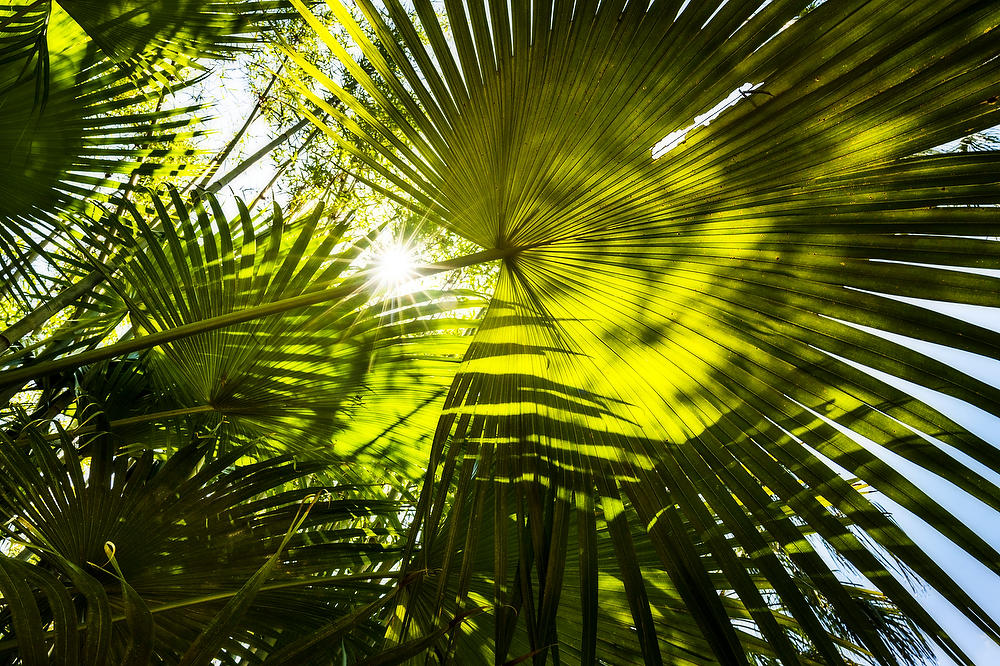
<point x="610" y="636"/>
<point x="698" y="338"/>
<point x="358" y="377"/>
<point x="165" y="544"/>
<point x="161" y="35"/>
<point x="83" y="87"/>
<point x="74" y="126"/>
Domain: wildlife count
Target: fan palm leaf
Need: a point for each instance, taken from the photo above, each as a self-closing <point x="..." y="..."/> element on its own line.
<point x="716" y="218"/>
<point x="84" y="85"/>
<point x="74" y="126"/>
<point x="152" y="550"/>
<point x="353" y="377"/>
<point x="157" y="35"/>
<point x="681" y="640"/>
<point x="295" y="378"/>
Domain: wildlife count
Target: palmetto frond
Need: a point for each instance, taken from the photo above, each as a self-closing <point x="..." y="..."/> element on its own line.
<point x="145" y="552"/>
<point x="681" y="639"/>
<point x="74" y="126"/>
<point x="355" y="373"/>
<point x="83" y="86"/>
<point x="158" y="35"/>
<point x="716" y="222"/>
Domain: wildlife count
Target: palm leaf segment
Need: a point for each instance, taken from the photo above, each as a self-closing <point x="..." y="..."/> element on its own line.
<point x="168" y="34"/>
<point x="82" y="87"/>
<point x="73" y="122"/>
<point x="711" y="339"/>
<point x="294" y="379"/>
<point x="143" y="553"/>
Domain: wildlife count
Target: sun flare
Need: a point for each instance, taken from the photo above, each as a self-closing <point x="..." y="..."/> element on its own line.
<point x="395" y="265"/>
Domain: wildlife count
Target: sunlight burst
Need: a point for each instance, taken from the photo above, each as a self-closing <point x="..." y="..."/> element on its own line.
<point x="395" y="265"/>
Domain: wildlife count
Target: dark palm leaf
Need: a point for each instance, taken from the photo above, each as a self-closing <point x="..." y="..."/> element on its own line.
<point x="710" y="337"/>
<point x="73" y="127"/>
<point x="610" y="622"/>
<point x="150" y="550"/>
<point x="164" y="35"/>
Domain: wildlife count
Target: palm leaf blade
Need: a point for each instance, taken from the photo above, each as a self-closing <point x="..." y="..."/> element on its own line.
<point x="709" y="320"/>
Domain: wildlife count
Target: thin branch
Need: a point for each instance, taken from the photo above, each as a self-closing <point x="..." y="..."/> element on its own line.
<point x="237" y="171"/>
<point x="284" y="166"/>
<point x="220" y="157"/>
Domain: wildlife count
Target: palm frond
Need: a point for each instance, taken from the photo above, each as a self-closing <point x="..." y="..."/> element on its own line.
<point x="137" y="541"/>
<point x="357" y="377"/>
<point x="75" y="127"/>
<point x="607" y="627"/>
<point x="717" y="218"/>
<point x="162" y="36"/>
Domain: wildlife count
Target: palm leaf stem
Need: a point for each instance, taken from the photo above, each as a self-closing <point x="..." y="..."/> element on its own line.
<point x="134" y="420"/>
<point x="48" y="309"/>
<point x="194" y="601"/>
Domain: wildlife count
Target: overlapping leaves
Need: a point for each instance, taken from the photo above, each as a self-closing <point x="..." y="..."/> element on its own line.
<point x="161" y="35"/>
<point x="275" y="342"/>
<point x="127" y="559"/>
<point x="83" y="86"/>
<point x="74" y="124"/>
<point x="342" y="376"/>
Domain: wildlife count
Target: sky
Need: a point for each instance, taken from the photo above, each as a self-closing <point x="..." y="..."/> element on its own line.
<point x="981" y="584"/>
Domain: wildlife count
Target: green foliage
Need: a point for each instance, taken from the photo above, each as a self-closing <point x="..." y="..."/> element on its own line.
<point x="143" y="553"/>
<point x="680" y="341"/>
<point x="154" y="34"/>
<point x="73" y="120"/>
<point x="723" y="244"/>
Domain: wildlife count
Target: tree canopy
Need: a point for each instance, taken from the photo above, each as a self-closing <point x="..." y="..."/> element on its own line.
<point x="600" y="332"/>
